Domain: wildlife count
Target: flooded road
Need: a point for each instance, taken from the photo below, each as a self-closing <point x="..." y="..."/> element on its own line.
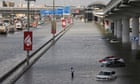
<point x="81" y="48"/>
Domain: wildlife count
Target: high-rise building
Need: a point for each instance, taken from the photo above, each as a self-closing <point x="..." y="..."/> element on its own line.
<point x="8" y="4"/>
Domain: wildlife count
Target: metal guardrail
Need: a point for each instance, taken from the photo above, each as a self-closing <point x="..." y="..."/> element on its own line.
<point x="15" y="73"/>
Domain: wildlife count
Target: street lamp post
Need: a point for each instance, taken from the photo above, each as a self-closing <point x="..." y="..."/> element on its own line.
<point x="28" y="34"/>
<point x="28" y="15"/>
<point x="28" y="25"/>
<point x="53" y="8"/>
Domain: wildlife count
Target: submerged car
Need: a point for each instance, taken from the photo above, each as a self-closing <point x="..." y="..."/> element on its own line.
<point x="113" y="63"/>
<point x="106" y="75"/>
<point x="114" y="41"/>
<point x="106" y="58"/>
<point x="111" y="58"/>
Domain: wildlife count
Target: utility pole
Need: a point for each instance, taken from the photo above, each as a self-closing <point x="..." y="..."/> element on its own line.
<point x="53" y="21"/>
<point x="28" y="29"/>
<point x="28" y="34"/>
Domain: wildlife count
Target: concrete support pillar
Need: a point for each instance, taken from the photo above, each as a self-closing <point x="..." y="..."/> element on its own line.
<point x="135" y="33"/>
<point x="125" y="30"/>
<point x="119" y="28"/>
<point x="115" y="28"/>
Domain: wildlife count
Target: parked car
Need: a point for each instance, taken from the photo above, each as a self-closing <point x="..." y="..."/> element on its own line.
<point x="106" y="75"/>
<point x="3" y="28"/>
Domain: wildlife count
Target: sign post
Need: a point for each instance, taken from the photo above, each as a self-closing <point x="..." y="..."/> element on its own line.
<point x="27" y="43"/>
<point x="53" y="21"/>
<point x="28" y="34"/>
<point x="53" y="29"/>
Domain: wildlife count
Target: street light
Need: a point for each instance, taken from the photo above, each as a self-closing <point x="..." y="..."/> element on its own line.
<point x="53" y="9"/>
<point x="29" y="34"/>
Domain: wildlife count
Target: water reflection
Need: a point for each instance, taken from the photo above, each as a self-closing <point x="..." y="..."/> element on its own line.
<point x="133" y="55"/>
<point x="28" y="77"/>
<point x="3" y="35"/>
<point x="51" y="69"/>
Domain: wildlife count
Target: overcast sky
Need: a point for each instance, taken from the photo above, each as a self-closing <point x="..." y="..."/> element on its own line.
<point x="65" y="2"/>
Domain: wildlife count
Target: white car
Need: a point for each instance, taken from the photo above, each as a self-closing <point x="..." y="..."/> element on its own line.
<point x="3" y="28"/>
<point x="106" y="75"/>
<point x="19" y="26"/>
<point x="11" y="27"/>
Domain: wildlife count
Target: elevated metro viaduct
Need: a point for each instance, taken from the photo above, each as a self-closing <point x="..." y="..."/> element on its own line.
<point x="121" y="13"/>
<point x="24" y="10"/>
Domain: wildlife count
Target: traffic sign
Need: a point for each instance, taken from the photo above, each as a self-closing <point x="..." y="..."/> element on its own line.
<point x="135" y="38"/>
<point x="27" y="40"/>
<point x="59" y="11"/>
<point x="66" y="10"/>
<point x="69" y="19"/>
<point x="63" y="23"/>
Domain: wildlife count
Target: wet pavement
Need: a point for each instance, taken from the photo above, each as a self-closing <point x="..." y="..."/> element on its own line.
<point x="11" y="45"/>
<point x="81" y="48"/>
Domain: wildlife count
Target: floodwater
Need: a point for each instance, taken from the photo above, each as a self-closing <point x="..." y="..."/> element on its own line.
<point x="81" y="48"/>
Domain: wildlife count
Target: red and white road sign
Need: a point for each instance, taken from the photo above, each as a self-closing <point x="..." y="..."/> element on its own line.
<point x="63" y="23"/>
<point x="27" y="40"/>
<point x="69" y="20"/>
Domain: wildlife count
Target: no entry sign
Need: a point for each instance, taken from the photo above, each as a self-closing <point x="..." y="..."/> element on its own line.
<point x="27" y="40"/>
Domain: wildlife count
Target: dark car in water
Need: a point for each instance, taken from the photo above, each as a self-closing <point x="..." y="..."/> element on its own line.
<point x="114" y="63"/>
